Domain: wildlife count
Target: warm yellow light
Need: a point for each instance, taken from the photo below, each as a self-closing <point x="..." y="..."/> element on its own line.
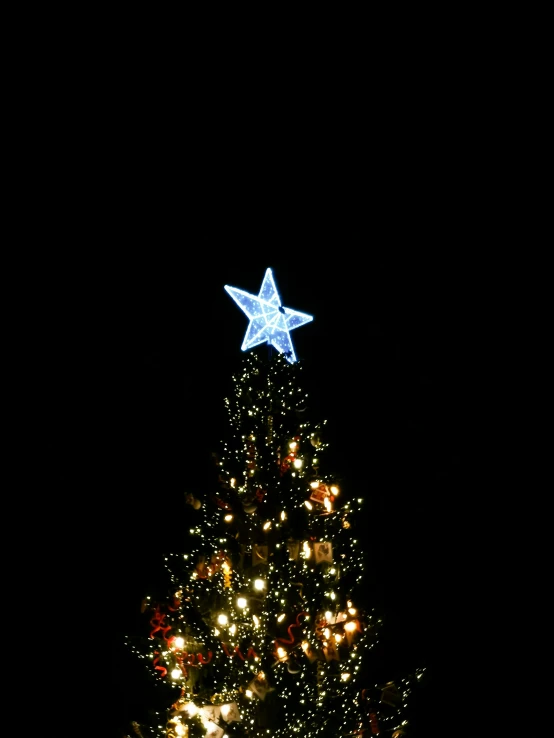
<point x="327" y="504"/>
<point x="180" y="729"/>
<point x="350" y="627"/>
<point x="233" y="482"/>
<point x="338" y="637"/>
<point x="308" y="505"/>
<point x="314" y="485"/>
<point x="327" y="633"/>
<point x="281" y="617"/>
<point x="249" y="693"/>
<point x="305" y="646"/>
<point x="259" y="584"/>
<point x="256" y="621"/>
<point x="228" y="518"/>
<point x="293" y="445"/>
<point x="281" y="653"/>
<point x="242" y="602"/>
<point x="176" y="674"/>
<point x="283" y="515"/>
<point x="307" y="550"/>
<point x="352" y="610"/>
<point x="345" y="677"/>
<point x="334" y="490"/>
<point x="328" y="615"/>
<point x="222" y="619"/>
<point x="297" y="463"/>
<point x="179" y="642"/>
<point x="267" y="525"/>
<point x="225" y="710"/>
<point x="233" y="629"/>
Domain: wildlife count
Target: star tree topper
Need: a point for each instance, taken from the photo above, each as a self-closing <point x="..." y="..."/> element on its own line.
<point x="270" y="322"/>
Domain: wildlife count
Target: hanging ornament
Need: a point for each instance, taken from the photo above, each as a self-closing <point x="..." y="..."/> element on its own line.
<point x="260" y="554"/>
<point x="250" y="506"/>
<point x="316" y="439"/>
<point x="293" y="667"/>
<point x="190" y="499"/>
<point x="390" y="695"/>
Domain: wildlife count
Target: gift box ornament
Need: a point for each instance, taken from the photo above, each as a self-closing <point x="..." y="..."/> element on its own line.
<point x="390" y="695"/>
<point x="323" y="551"/>
<point x="230" y="713"/>
<point x="260" y="687"/>
<point x="214" y="731"/>
<point x="293" y="548"/>
<point x="320" y="493"/>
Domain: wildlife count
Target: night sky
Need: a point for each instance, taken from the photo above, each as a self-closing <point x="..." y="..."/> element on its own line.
<point x="386" y="362"/>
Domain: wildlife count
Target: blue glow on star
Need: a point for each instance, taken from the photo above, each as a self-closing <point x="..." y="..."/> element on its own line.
<point x="270" y="322"/>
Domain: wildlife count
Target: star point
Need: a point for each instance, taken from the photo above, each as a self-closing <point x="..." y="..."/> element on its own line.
<point x="270" y="322"/>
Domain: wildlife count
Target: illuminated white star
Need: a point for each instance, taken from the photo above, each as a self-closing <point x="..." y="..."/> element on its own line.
<point x="270" y="322"/>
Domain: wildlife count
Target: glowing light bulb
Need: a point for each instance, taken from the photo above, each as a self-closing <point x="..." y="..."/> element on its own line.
<point x="338" y="637"/>
<point x="256" y="621"/>
<point x="297" y="463"/>
<point x="334" y="490"/>
<point x="225" y="710"/>
<point x="350" y="627"/>
<point x="233" y="629"/>
<point x="283" y="515"/>
<point x="259" y="584"/>
<point x="179" y="642"/>
<point x="293" y="445"/>
<point x="222" y="619"/>
<point x="308" y="504"/>
<point x="281" y="617"/>
<point x="228" y="518"/>
<point x="327" y="633"/>
<point x="352" y="610"/>
<point x="281" y="653"/>
<point x="307" y="550"/>
<point x="249" y="693"/>
<point x="327" y="504"/>
<point x="267" y="525"/>
<point x="314" y="485"/>
<point x="345" y="677"/>
<point x="242" y="602"/>
<point x="176" y="673"/>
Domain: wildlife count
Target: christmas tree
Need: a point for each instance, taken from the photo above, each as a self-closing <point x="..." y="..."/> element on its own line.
<point x="267" y="628"/>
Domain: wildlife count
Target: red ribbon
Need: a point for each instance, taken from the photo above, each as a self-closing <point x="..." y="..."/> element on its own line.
<point x="237" y="650"/>
<point x="159" y="668"/>
<point x="157" y="623"/>
<point x="290" y="640"/>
